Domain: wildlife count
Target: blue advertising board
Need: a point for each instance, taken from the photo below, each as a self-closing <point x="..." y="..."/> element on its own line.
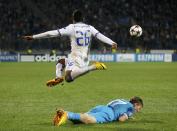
<point x="8" y="58"/>
<point x="150" y="57"/>
<point x="94" y="57"/>
<point x="174" y="57"/>
<point x="103" y="57"/>
<point x="129" y="57"/>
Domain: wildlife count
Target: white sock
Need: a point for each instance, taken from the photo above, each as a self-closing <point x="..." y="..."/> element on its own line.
<point x="81" y="71"/>
<point x="92" y="67"/>
<point x="59" y="70"/>
<point x="66" y="61"/>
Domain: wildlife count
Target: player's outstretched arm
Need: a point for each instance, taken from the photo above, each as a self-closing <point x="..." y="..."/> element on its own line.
<point x="103" y="38"/>
<point x="48" y="34"/>
<point x="28" y="37"/>
<point x="106" y="40"/>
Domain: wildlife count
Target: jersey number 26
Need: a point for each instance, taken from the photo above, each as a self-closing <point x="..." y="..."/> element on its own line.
<point x="83" y="38"/>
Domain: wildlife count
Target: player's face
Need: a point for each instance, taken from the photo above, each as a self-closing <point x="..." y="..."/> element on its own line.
<point x="138" y="107"/>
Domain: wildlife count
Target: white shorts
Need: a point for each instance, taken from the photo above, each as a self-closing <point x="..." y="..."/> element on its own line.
<point x="76" y="62"/>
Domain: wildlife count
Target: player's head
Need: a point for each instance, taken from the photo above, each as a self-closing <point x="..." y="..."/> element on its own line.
<point x="77" y="16"/>
<point x="137" y="103"/>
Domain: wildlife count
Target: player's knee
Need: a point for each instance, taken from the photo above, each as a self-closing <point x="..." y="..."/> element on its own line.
<point x="68" y="78"/>
<point x="86" y="119"/>
<point x="61" y="61"/>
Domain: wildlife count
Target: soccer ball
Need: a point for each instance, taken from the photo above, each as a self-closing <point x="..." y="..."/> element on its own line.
<point x="136" y="31"/>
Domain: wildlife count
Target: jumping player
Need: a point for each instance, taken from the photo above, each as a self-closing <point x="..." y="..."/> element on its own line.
<point x="77" y="63"/>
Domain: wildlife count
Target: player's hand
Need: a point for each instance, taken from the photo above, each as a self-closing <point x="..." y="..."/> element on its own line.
<point x="114" y="46"/>
<point x="27" y="37"/>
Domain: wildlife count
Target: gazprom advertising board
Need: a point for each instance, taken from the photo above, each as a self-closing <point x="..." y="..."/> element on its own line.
<point x="125" y="58"/>
<point x="102" y="57"/>
<point x="150" y="57"/>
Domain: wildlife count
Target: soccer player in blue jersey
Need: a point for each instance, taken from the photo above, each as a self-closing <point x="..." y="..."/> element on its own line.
<point x="116" y="110"/>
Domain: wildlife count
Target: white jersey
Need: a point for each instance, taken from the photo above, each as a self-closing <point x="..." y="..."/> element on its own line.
<point x="80" y="35"/>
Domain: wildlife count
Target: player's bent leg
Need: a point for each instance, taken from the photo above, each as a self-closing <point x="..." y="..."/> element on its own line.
<point x="62" y="116"/>
<point x="87" y="119"/>
<point x="68" y="77"/>
<point x="74" y="72"/>
<point x="59" y="73"/>
<point x="60" y="66"/>
<point x="77" y="72"/>
<point x="62" y="61"/>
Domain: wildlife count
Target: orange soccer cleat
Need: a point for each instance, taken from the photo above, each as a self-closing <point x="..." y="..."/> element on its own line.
<point x="54" y="82"/>
<point x="60" y="118"/>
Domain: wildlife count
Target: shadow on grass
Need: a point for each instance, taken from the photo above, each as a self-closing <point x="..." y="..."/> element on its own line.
<point x="100" y="127"/>
<point x="103" y="127"/>
<point x="148" y="121"/>
<point x="44" y="124"/>
<point x="91" y="127"/>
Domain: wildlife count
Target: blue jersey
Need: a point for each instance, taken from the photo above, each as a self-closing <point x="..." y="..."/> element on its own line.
<point x="121" y="107"/>
<point x="112" y="111"/>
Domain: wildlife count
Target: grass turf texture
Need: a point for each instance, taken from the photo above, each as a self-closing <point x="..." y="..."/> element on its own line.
<point x="27" y="104"/>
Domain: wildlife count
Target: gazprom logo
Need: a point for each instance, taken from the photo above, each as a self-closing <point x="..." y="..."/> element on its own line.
<point x="150" y="57"/>
<point x="101" y="57"/>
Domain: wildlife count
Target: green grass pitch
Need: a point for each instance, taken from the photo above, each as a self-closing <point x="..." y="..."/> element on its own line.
<point x="27" y="104"/>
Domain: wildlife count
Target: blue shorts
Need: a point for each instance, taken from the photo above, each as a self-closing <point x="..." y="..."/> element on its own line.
<point x="102" y="114"/>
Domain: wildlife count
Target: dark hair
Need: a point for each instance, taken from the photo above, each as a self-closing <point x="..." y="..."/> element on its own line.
<point x="136" y="99"/>
<point x="77" y="16"/>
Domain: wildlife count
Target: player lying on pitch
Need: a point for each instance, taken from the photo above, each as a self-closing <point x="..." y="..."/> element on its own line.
<point x="77" y="63"/>
<point x="116" y="110"/>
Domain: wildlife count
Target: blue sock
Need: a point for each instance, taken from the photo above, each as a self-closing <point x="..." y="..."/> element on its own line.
<point x="73" y="116"/>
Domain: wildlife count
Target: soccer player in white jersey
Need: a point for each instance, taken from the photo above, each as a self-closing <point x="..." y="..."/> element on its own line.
<point x="77" y="63"/>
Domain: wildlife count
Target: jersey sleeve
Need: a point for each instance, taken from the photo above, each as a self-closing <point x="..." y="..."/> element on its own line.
<point x="100" y="36"/>
<point x="66" y="31"/>
<point x="94" y="31"/>
<point x="130" y="112"/>
<point x="48" y="34"/>
<point x="124" y="114"/>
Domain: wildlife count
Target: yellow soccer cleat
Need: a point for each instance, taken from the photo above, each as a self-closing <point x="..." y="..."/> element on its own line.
<point x="100" y="66"/>
<point x="54" y="82"/>
<point x="60" y="118"/>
